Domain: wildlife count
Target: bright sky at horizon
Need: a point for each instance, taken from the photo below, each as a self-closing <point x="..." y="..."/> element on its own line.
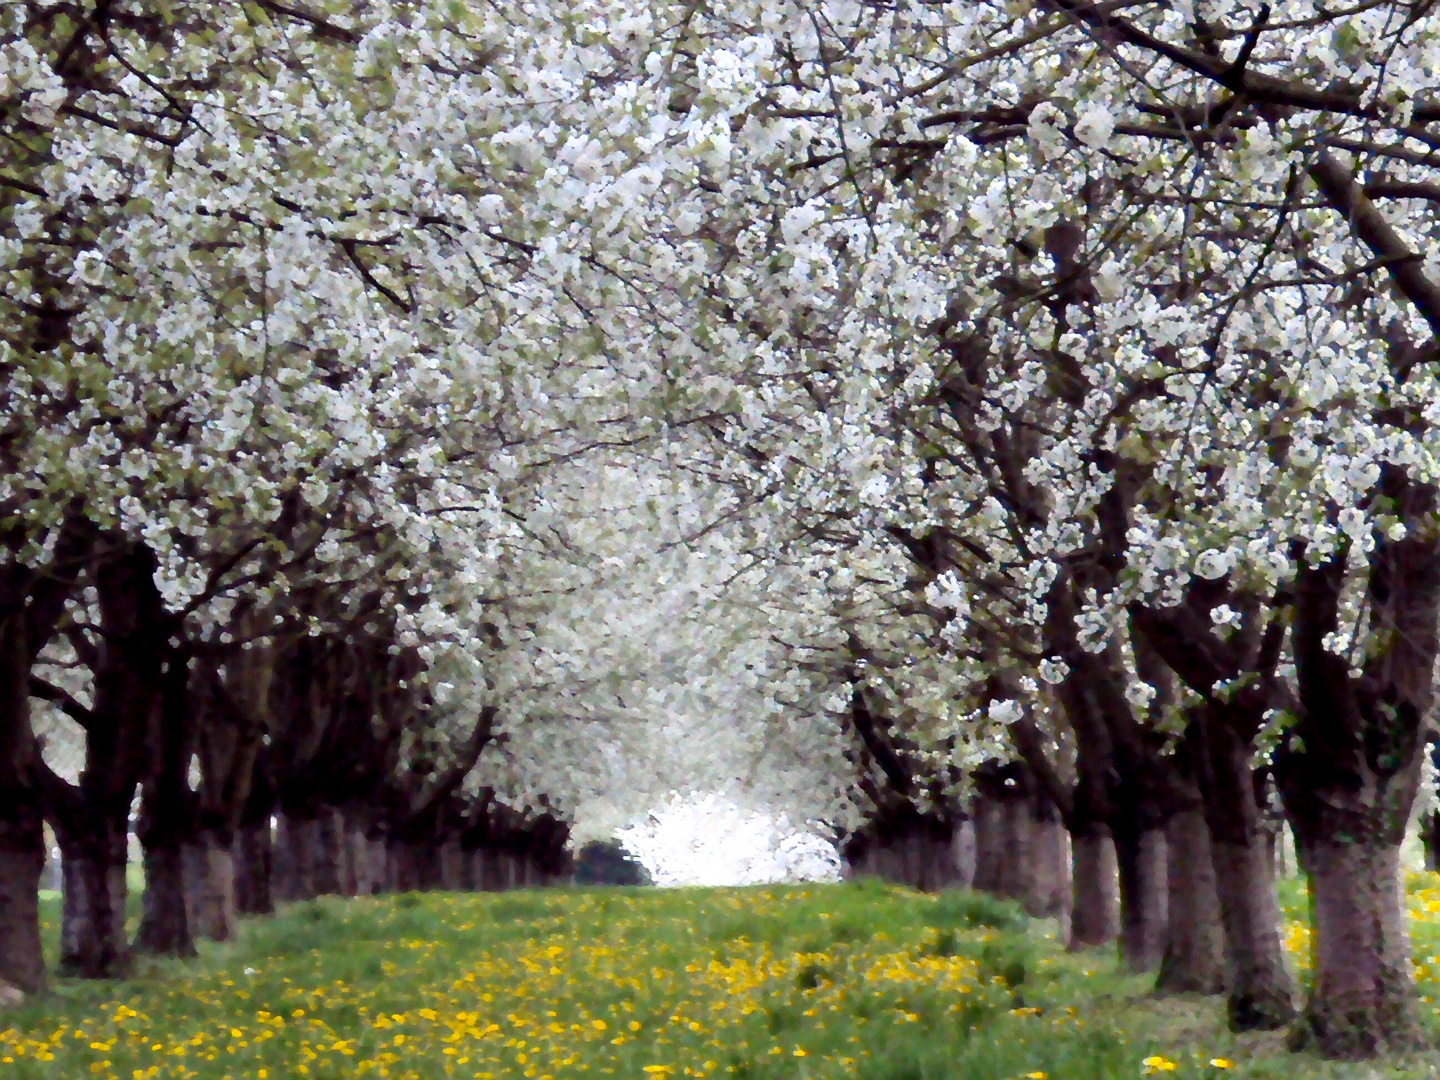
<point x="707" y="839"/>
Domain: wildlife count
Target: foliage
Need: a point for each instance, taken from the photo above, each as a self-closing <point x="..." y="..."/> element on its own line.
<point x="602" y="862"/>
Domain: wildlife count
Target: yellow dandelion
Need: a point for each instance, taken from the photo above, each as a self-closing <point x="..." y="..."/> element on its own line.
<point x="1222" y="1063"/>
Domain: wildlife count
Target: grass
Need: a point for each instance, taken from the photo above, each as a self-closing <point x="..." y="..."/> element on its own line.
<point x="806" y="982"/>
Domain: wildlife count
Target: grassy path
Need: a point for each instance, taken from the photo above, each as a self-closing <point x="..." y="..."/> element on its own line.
<point x="803" y="982"/>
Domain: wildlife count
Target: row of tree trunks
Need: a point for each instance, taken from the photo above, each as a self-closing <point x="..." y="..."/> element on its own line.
<point x="922" y="861"/>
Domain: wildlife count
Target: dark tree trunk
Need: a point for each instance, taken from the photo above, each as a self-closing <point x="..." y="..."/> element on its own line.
<point x="91" y="822"/>
<point x="492" y="870"/>
<point x="92" y="927"/>
<point x="963" y="851"/>
<point x="1050" y="880"/>
<point x="1363" y="1000"/>
<point x="1430" y="838"/>
<point x="22" y="830"/>
<point x="1350" y="778"/>
<point x="357" y="854"/>
<point x="329" y="852"/>
<point x="1095" y="912"/>
<point x="401" y="873"/>
<point x="373" y="882"/>
<point x="165" y="815"/>
<point x="210" y="886"/>
<point x="1194" y="961"/>
<point x="452" y="866"/>
<point x="297" y="849"/>
<point x="165" y="924"/>
<point x="989" y="844"/>
<point x="1141" y="859"/>
<point x="1261" y="990"/>
<point x="253" y="855"/>
<point x="1015" y="879"/>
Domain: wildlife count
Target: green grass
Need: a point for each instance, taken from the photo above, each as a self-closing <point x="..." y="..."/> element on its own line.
<point x="808" y="982"/>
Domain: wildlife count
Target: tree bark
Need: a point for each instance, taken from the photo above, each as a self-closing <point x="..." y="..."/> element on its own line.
<point x="22" y="828"/>
<point x="92" y="924"/>
<point x="989" y="844"/>
<point x="1050" y="879"/>
<point x="1141" y="860"/>
<point x="1015" y="878"/>
<point x="1363" y="1002"/>
<point x="165" y="818"/>
<point x="1194" y="960"/>
<point x="1095" y="912"/>
<point x="210" y="887"/>
<point x="402" y="871"/>
<point x="297" y="841"/>
<point x="963" y="852"/>
<point x="1352" y="770"/>
<point x="1261" y="988"/>
<point x="375" y="849"/>
<point x="356" y="854"/>
<point x="452" y="866"/>
<point x="165" y="924"/>
<point x="253" y="863"/>
<point x="492" y="870"/>
<point x="329" y="852"/>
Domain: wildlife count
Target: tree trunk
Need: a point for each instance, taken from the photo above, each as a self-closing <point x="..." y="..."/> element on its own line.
<point x="210" y="887"/>
<point x="989" y="844"/>
<point x="963" y="851"/>
<point x="402" y="866"/>
<point x="375" y="854"/>
<point x="1095" y="912"/>
<point x="1141" y="860"/>
<point x="1363" y="1001"/>
<point x="1351" y="774"/>
<point x="297" y="851"/>
<point x="1194" y="960"/>
<point x="1430" y="838"/>
<point x="92" y="925"/>
<point x="1050" y="879"/>
<point x="165" y="925"/>
<point x="253" y="864"/>
<point x="452" y="866"/>
<point x="492" y="870"/>
<point x="329" y="852"/>
<point x="165" y="820"/>
<point x="22" y="828"/>
<point x="1261" y="990"/>
<point x="356" y="854"/>
<point x="1015" y="879"/>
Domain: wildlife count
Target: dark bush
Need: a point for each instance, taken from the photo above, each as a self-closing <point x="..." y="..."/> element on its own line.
<point x="606" y="862"/>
